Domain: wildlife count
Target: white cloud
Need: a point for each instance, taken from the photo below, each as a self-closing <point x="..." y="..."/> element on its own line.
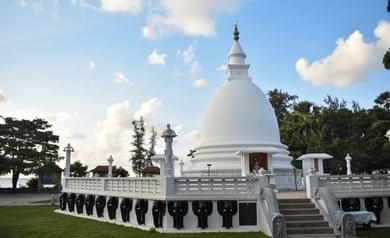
<point x="130" y="6"/>
<point x="200" y="83"/>
<point x="118" y="120"/>
<point x="156" y="58"/>
<point x="72" y="135"/>
<point x="191" y="17"/>
<point x="2" y="96"/>
<point x="148" y="108"/>
<point x="192" y="136"/>
<point x="222" y="68"/>
<point x="62" y="117"/>
<point x="350" y="61"/>
<point x="91" y="66"/>
<point x="119" y="77"/>
<point x="190" y="61"/>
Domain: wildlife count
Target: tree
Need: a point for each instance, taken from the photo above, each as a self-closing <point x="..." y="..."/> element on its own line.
<point x="77" y="169"/>
<point x="386" y="60"/>
<point x="139" y="151"/>
<point x="383" y="100"/>
<point x="26" y="146"/>
<point x="152" y="143"/>
<point x="281" y="102"/>
<point x="119" y="172"/>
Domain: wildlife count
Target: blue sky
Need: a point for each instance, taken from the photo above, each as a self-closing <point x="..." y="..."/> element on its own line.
<point x="88" y="67"/>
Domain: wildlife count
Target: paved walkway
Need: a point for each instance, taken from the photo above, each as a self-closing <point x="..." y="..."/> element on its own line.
<point x="23" y="199"/>
<point x="291" y="195"/>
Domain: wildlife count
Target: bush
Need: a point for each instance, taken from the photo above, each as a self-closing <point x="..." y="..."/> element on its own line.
<point x="32" y="183"/>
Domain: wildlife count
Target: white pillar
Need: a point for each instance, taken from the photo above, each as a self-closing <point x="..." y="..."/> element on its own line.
<point x="68" y="150"/>
<point x="110" y="160"/>
<point x="181" y="164"/>
<point x="168" y="135"/>
<point x="348" y="158"/>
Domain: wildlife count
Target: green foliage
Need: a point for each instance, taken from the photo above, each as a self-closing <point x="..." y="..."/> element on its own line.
<point x="119" y="172"/>
<point x="26" y="147"/>
<point x="152" y="144"/>
<point x="337" y="129"/>
<point x="139" y="152"/>
<point x="281" y="102"/>
<point x="386" y="59"/>
<point x="77" y="169"/>
<point x="32" y="183"/>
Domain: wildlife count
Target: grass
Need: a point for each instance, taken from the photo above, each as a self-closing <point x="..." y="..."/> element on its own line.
<point x="43" y="222"/>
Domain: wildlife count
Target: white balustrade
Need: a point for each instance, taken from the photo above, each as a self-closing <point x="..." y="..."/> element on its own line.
<point x="362" y="184"/>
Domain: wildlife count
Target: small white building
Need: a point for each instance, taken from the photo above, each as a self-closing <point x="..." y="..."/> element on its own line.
<point x="314" y="161"/>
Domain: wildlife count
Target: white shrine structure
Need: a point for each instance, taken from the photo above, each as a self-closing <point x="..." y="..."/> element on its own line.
<point x="231" y="183"/>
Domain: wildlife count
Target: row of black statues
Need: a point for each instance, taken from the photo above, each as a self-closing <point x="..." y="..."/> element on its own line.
<point x="374" y="204"/>
<point x="176" y="209"/>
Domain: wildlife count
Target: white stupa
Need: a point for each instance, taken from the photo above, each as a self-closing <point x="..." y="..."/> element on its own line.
<point x="240" y="132"/>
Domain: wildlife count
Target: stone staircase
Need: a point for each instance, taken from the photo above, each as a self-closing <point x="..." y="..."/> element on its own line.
<point x="303" y="219"/>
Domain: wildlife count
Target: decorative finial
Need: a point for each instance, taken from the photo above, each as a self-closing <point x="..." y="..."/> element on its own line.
<point x="236" y="33"/>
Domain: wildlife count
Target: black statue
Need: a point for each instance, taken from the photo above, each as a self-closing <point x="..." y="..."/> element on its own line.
<point x="126" y="206"/>
<point x="80" y="203"/>
<point x="112" y="205"/>
<point x="89" y="203"/>
<point x="202" y="209"/>
<point x="158" y="211"/>
<point x="141" y="207"/>
<point x="178" y="209"/>
<point x="100" y="204"/>
<point x="227" y="209"/>
<point x="374" y="205"/>
<point x="71" y="201"/>
<point x="350" y="204"/>
<point x="63" y="200"/>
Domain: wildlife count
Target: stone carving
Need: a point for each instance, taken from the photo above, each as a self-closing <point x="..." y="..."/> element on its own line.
<point x="158" y="212"/>
<point x="227" y="209"/>
<point x="112" y="205"/>
<point x="350" y="204"/>
<point x="71" y="201"/>
<point x="80" y="203"/>
<point x="178" y="209"/>
<point x="279" y="226"/>
<point x="141" y="207"/>
<point x="348" y="228"/>
<point x="100" y="204"/>
<point x="202" y="209"/>
<point x="89" y="203"/>
<point x="126" y="206"/>
<point x="375" y="205"/>
<point x="63" y="200"/>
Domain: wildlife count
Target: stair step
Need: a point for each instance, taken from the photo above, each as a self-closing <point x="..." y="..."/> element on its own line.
<point x="303" y="217"/>
<point x="300" y="211"/>
<point x="309" y="230"/>
<point x="294" y="200"/>
<point x="295" y="205"/>
<point x="313" y="236"/>
<point x="292" y="224"/>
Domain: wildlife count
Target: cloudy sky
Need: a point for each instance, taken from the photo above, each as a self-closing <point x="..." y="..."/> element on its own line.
<point x="91" y="66"/>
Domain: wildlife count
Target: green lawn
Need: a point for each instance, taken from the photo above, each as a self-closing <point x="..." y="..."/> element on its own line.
<point x="42" y="222"/>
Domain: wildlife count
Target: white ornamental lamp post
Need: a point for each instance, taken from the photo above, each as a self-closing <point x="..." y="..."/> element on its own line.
<point x="168" y="135"/>
<point x="110" y="160"/>
<point x="348" y="159"/>
<point x="68" y="150"/>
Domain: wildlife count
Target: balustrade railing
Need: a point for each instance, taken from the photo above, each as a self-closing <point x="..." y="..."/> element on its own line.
<point x="218" y="185"/>
<point x="356" y="183"/>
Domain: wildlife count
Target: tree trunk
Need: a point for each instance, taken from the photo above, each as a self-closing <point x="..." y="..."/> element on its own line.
<point x="15" y="178"/>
